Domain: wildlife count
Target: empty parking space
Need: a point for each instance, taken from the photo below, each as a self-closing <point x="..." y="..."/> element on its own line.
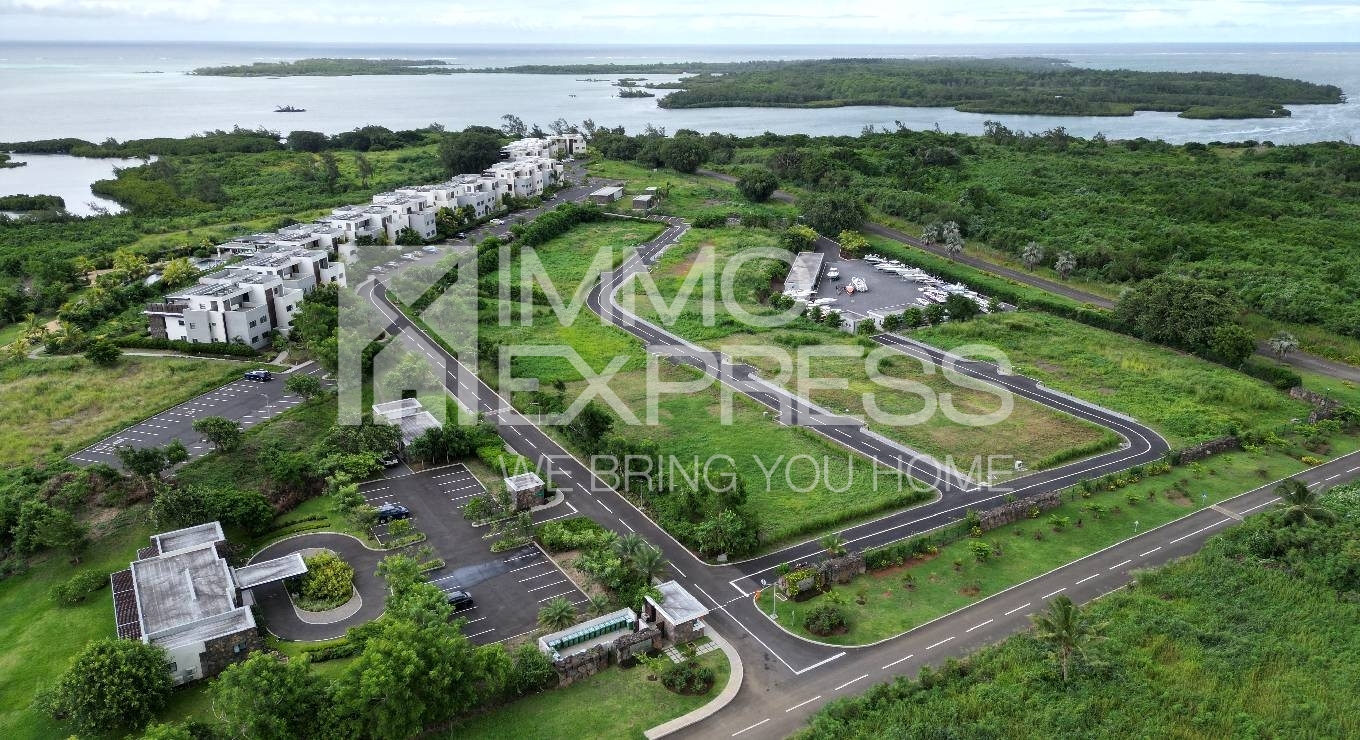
<point x="243" y="401"/>
<point x="507" y="588"/>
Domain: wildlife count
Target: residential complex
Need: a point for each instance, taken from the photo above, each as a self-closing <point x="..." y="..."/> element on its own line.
<point x="248" y="299"/>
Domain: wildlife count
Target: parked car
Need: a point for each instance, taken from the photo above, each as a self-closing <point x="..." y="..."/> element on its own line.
<point x="259" y="376"/>
<point x="392" y="512"/>
<point x="834" y="273"/>
<point x="410" y="256"/>
<point x="459" y="599"/>
<point x="430" y="250"/>
<point x="460" y="235"/>
<point x="394" y="263"/>
<point x="390" y="460"/>
<point x="497" y="222"/>
<point x="379" y="268"/>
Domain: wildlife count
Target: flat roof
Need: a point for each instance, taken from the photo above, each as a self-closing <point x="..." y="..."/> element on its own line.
<point x="183" y="539"/>
<point x="803" y="274"/>
<point x="611" y="190"/>
<point x="181" y="587"/>
<point x="677" y="605"/>
<point x="269" y="571"/>
<point x="409" y="415"/>
<point x="219" y="625"/>
<point x="523" y="482"/>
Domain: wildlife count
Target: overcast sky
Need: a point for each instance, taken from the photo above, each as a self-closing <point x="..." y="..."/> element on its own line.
<point x="690" y="22"/>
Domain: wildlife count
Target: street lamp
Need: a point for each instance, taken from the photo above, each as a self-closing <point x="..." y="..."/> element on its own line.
<point x="773" y="604"/>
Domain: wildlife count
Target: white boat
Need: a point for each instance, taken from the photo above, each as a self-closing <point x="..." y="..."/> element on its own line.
<point x="872" y="258"/>
<point x="921" y="301"/>
<point x="860" y="285"/>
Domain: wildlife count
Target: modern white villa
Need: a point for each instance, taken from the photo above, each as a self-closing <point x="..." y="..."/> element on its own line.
<point x="245" y="301"/>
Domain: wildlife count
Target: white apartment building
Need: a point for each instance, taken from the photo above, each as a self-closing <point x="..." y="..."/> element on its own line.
<point x="357" y="221"/>
<point x="407" y="211"/>
<point x="524" y="178"/>
<point x="244" y="302"/>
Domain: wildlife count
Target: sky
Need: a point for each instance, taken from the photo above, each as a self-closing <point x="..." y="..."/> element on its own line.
<point x="689" y="22"/>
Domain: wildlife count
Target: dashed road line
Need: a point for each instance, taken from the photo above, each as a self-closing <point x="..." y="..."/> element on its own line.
<point x="752" y="727"/>
<point x="1087" y="578"/>
<point x="1197" y="531"/>
<point x="1055" y="593"/>
<point x="1016" y="609"/>
<point x="1120" y="565"/>
<point x="630" y="529"/>
<point x="895" y="662"/>
<point x="847" y="683"/>
<point x="802" y="703"/>
<point x="980" y="624"/>
<point x="941" y="642"/>
<point x="1149" y="552"/>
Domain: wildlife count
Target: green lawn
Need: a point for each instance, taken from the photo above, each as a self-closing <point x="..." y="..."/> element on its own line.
<point x="62" y="404"/>
<point x="940" y="587"/>
<point x="689" y="194"/>
<point x="1185" y="398"/>
<point x="40" y="638"/>
<point x="616" y="703"/>
<point x="294" y="430"/>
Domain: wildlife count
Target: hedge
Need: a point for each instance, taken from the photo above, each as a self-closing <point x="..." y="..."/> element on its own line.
<point x="179" y="345"/>
<point x="1281" y="377"/>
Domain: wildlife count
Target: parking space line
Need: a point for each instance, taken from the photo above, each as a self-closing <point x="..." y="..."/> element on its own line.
<point x="549" y="585"/>
<point x="484" y="632"/>
<point x="550" y="598"/>
<point x="525" y="567"/>
<point x="540" y="575"/>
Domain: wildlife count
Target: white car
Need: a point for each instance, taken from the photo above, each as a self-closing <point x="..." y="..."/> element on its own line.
<point x="394" y="263"/>
<point x="430" y="250"/>
<point x="497" y="222"/>
<point x="834" y="273"/>
<point x="379" y="268"/>
<point x="410" y="256"/>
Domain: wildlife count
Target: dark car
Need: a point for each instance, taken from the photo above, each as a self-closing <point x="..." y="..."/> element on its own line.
<point x="259" y="376"/>
<point x="392" y="512"/>
<point x="460" y="600"/>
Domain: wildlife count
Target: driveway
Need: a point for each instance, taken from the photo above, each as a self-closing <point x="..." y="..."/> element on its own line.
<point x="283" y="620"/>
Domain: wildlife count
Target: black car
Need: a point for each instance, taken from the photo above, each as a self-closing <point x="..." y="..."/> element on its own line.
<point x="460" y="600"/>
<point x="392" y="512"/>
<point x="259" y="376"/>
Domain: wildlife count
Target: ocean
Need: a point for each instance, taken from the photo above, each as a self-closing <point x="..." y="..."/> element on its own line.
<point x="133" y="90"/>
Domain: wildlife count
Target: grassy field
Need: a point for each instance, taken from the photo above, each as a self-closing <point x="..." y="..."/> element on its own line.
<point x="689" y="424"/>
<point x="294" y="430"/>
<point x="689" y="194"/>
<point x="1029" y="432"/>
<point x="62" y="404"/>
<point x="616" y="703"/>
<point x="1183" y="397"/>
<point x="40" y="638"/>
<point x="940" y="586"/>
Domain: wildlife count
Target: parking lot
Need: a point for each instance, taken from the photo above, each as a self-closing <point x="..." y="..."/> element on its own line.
<point x="887" y="293"/>
<point x="507" y="588"/>
<point x="246" y="402"/>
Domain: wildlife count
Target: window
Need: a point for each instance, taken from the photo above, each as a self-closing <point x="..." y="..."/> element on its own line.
<point x="254" y="340"/>
<point x="288" y="308"/>
<point x="252" y="324"/>
<point x="191" y="325"/>
<point x="181" y="322"/>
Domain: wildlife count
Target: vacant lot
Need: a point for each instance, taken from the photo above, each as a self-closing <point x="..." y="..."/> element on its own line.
<point x="1185" y="398"/>
<point x="62" y="404"/>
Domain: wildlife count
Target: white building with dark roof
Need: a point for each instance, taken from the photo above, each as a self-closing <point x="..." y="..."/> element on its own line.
<point x="182" y="596"/>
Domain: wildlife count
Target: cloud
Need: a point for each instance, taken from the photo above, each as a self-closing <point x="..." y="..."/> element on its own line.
<point x="698" y="21"/>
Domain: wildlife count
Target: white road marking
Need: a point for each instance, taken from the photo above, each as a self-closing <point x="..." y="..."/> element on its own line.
<point x="1149" y="552"/>
<point x="980" y="624"/>
<point x="1120" y="565"/>
<point x="1016" y="609"/>
<point x="1087" y="578"/>
<point x="847" y="683"/>
<point x="1338" y="475"/>
<point x="752" y="727"/>
<point x="540" y="575"/>
<point x="1197" y="531"/>
<point x="895" y="662"/>
<point x="549" y="585"/>
<point x="550" y="598"/>
<point x="941" y="642"/>
<point x="802" y="703"/>
<point x="479" y="634"/>
<point x="630" y="529"/>
<point x="1055" y="593"/>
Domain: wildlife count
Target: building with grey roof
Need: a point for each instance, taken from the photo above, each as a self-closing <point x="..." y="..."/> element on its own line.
<point x="181" y="595"/>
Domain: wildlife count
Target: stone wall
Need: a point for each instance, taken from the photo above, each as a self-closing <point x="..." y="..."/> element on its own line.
<point x="842" y="569"/>
<point x="636" y="643"/>
<point x="1323" y="406"/>
<point x="1212" y="447"/>
<point x="219" y="653"/>
<point x="1018" y="509"/>
<point x="581" y="665"/>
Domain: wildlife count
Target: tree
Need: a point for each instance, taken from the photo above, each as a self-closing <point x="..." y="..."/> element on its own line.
<point x="961" y="307"/>
<point x="649" y="563"/>
<point x="892" y="322"/>
<point x="757" y="184"/>
<point x="144" y="462"/>
<point x="1232" y="344"/>
<point x="684" y="153"/>
<point x="798" y="238"/>
<point x="269" y="699"/>
<point x="1067" y="262"/>
<point x="176" y="453"/>
<point x="132" y="264"/>
<point x="1282" y="343"/>
<point x="177" y="272"/>
<point x="833" y="544"/>
<point x="598" y="605"/>
<point x="330" y="171"/>
<point x="514" y="126"/>
<point x="1301" y="505"/>
<point x="853" y="244"/>
<point x="628" y="546"/>
<point x="1177" y="311"/>
<point x="1032" y="255"/>
<point x="833" y="212"/>
<point x="307" y="386"/>
<point x="111" y="685"/>
<point x="952" y="238"/>
<point x="470" y="150"/>
<point x="175" y="507"/>
<point x="363" y="168"/>
<point x="224" y="433"/>
<point x="103" y="353"/>
<point x="1066" y="631"/>
<point x="306" y="141"/>
<point x="557" y="614"/>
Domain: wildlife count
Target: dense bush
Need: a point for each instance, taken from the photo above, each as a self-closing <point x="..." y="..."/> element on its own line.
<point x="329" y="580"/>
<point x="688" y="677"/>
<point x="179" y="345"/>
<point x="530" y="671"/>
<point x="572" y="533"/>
<point x="827" y="619"/>
<point x="709" y="220"/>
<point x="73" y="590"/>
<point x="1277" y="375"/>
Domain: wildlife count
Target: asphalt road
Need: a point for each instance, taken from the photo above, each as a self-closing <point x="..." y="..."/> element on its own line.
<point x="787" y="677"/>
<point x="247" y="402"/>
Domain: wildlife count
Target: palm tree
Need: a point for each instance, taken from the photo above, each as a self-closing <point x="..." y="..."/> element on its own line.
<point x="649" y="562"/>
<point x="834" y="544"/>
<point x="1301" y="505"/>
<point x="953" y="238"/>
<point x="1067" y="262"/>
<point x="598" y="605"/>
<point x="557" y="614"/>
<point x="1032" y="255"/>
<point x="932" y="233"/>
<point x="1066" y="630"/>
<point x="628" y="546"/>
<point x="1283" y="343"/>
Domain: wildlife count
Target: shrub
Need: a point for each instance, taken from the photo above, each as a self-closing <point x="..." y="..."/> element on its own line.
<point x="328" y="580"/>
<point x="530" y="671"/>
<point x="73" y="590"/>
<point x="688" y="677"/>
<point x="709" y="220"/>
<point x="1281" y="377"/>
<point x="574" y="533"/>
<point x="827" y="619"/>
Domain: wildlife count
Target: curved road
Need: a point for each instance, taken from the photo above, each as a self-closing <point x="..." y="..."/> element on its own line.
<point x="280" y="617"/>
<point x="787" y="678"/>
